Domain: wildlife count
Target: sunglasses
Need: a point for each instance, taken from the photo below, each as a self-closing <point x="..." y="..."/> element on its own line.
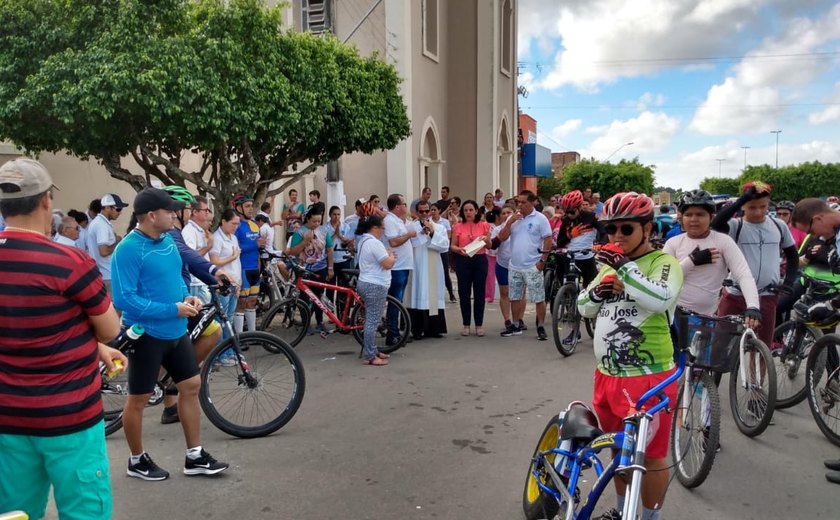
<point x="626" y="229"/>
<point x="423" y="211"/>
<point x="119" y="210"/>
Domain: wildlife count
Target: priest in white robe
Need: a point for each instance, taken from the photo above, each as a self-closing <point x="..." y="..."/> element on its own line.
<point x="425" y="295"/>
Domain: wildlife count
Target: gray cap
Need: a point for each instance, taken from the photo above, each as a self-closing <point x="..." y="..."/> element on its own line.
<point x="21" y="178"/>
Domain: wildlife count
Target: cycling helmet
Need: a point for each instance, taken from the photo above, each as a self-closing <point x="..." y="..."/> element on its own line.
<point x="835" y="206"/>
<point x="785" y="204"/>
<point x="179" y="193"/>
<point x="628" y="206"/>
<point x="240" y="199"/>
<point x="696" y="198"/>
<point x="369" y="209"/>
<point x="572" y="200"/>
<point x="832" y="200"/>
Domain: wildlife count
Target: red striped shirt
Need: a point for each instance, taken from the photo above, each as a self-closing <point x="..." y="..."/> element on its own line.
<point x="49" y="362"/>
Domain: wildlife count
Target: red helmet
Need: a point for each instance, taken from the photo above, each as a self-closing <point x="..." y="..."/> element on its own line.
<point x="628" y="206"/>
<point x="832" y="200"/>
<point x="369" y="209"/>
<point x="572" y="200"/>
<point x="240" y="199"/>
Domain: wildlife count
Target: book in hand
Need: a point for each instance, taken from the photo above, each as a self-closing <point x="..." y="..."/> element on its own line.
<point x="474" y="247"/>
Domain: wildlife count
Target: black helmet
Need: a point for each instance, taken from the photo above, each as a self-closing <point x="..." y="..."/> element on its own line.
<point x="696" y="198"/>
<point x="785" y="204"/>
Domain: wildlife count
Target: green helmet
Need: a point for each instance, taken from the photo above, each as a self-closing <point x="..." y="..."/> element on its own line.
<point x="179" y="193"/>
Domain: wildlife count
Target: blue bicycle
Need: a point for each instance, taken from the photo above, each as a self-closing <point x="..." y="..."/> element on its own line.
<point x="571" y="443"/>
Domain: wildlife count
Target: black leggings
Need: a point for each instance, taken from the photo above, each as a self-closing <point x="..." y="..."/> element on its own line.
<point x="444" y="258"/>
<point x="472" y="276"/>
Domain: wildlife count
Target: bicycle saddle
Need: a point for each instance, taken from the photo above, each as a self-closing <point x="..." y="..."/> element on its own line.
<point x="580" y="424"/>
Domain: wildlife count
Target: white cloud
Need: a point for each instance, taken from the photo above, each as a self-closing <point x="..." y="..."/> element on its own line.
<point x="649" y="132"/>
<point x="765" y="82"/>
<point x="831" y="112"/>
<point x="649" y="99"/>
<point x="561" y="131"/>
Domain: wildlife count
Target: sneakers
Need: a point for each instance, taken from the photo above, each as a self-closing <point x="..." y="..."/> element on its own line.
<point x="170" y="415"/>
<point x="511" y="330"/>
<point x="204" y="465"/>
<point x="146" y="469"/>
<point x="706" y="440"/>
<point x="541" y="335"/>
<point x="612" y="514"/>
<point x="572" y="338"/>
<point x="227" y="359"/>
<point x="522" y="326"/>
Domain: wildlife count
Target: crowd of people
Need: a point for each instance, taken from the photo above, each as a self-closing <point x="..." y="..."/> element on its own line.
<point x="157" y="275"/>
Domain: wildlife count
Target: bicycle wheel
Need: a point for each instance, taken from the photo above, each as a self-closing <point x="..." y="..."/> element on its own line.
<point x="265" y="298"/>
<point x="792" y="341"/>
<point x="590" y="327"/>
<point x="695" y="429"/>
<point x="384" y="343"/>
<point x="822" y="372"/>
<point x="565" y="322"/>
<point x="754" y="399"/>
<point x="114" y="393"/>
<point x="535" y="503"/>
<point x="288" y="320"/>
<point x="257" y="395"/>
<point x="548" y="281"/>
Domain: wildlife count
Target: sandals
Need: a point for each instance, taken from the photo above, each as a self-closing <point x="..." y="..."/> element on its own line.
<point x="382" y="355"/>
<point x="466" y="331"/>
<point x="376" y="361"/>
<point x="479" y="331"/>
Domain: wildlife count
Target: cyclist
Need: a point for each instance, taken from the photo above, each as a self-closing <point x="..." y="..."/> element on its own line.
<point x="250" y="243"/>
<point x="784" y="209"/>
<point x="634" y="297"/>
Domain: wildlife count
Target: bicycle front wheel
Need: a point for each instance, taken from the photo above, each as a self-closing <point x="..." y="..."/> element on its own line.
<point x="822" y="373"/>
<point x="792" y="342"/>
<point x="753" y="396"/>
<point x="535" y="503"/>
<point x="695" y="429"/>
<point x="565" y="322"/>
<point x="385" y="342"/>
<point x="288" y="320"/>
<point x="256" y="395"/>
<point x="114" y="394"/>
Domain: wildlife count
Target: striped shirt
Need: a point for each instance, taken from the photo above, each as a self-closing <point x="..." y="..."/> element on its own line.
<point x="49" y="359"/>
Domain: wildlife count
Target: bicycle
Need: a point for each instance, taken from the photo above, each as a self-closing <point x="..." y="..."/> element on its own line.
<point x="274" y="285"/>
<point x="246" y="399"/>
<point x="290" y="317"/>
<point x="565" y="318"/>
<point x="570" y="444"/>
<point x="822" y="374"/>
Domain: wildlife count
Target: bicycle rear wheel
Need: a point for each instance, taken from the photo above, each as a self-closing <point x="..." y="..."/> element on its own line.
<point x="288" y="320"/>
<point x="255" y="395"/>
<point x="384" y="342"/>
<point x="565" y="322"/>
<point x="792" y="341"/>
<point x="114" y="393"/>
<point x="822" y="373"/>
<point x="548" y="280"/>
<point x="535" y="503"/>
<point x="754" y="399"/>
<point x="695" y="429"/>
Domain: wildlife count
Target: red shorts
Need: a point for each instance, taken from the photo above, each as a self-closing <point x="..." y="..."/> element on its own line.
<point x="613" y="397"/>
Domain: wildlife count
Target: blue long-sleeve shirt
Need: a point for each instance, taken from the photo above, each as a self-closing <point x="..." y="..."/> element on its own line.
<point x="193" y="262"/>
<point x="147" y="284"/>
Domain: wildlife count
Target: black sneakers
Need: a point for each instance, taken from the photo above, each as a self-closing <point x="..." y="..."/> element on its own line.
<point x="541" y="335"/>
<point x="511" y="330"/>
<point x="170" y="415"/>
<point x="612" y="514"/>
<point x="146" y="469"/>
<point x="204" y="465"/>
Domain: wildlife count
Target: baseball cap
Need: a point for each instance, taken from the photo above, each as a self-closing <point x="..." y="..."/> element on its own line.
<point x="112" y="199"/>
<point x="20" y="178"/>
<point x="153" y="199"/>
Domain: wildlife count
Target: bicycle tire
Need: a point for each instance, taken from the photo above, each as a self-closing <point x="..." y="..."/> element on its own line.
<point x="114" y="393"/>
<point x="288" y="320"/>
<point x="357" y="317"/>
<point x="566" y="304"/>
<point x="548" y="286"/>
<point x="690" y="453"/>
<point x="824" y="398"/>
<point x="265" y="298"/>
<point x="535" y="503"/>
<point x="798" y="339"/>
<point x="753" y="422"/>
<point x="240" y="410"/>
<point x="590" y="327"/>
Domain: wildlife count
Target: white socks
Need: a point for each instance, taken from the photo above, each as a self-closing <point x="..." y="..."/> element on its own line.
<point x="194" y="453"/>
<point x="251" y="319"/>
<point x="239" y="322"/>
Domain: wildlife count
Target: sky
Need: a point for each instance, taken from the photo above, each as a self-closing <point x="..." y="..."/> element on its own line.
<point x="688" y="82"/>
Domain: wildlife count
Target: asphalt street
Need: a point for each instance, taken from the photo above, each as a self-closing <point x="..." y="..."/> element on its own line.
<point x="446" y="432"/>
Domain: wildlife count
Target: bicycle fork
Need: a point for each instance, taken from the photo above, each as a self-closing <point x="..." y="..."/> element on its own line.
<point x="633" y="463"/>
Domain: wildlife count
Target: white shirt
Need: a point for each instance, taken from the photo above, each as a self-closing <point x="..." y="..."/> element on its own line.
<point x="503" y="251"/>
<point x="371" y="254"/>
<point x="100" y="232"/>
<point x="223" y="246"/>
<point x="267" y="232"/>
<point x="195" y="239"/>
<point x="526" y="239"/>
<point x="63" y="240"/>
<point x="81" y="242"/>
<point x="395" y="227"/>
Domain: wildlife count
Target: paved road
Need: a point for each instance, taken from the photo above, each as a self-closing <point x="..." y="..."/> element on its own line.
<point x="446" y="432"/>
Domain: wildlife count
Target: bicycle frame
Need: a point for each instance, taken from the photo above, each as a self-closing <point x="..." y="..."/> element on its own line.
<point x="631" y="445"/>
<point x="304" y="286"/>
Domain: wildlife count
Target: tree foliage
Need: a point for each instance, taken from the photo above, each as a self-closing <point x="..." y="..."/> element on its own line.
<point x="794" y="182"/>
<point x="609" y="178"/>
<point x="547" y="187"/>
<point x="143" y="83"/>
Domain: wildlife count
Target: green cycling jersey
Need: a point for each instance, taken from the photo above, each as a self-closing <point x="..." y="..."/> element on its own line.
<point x="633" y="330"/>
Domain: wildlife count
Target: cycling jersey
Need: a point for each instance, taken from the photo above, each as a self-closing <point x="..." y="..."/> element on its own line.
<point x="632" y="333"/>
<point x="579" y="234"/>
<point x="248" y="233"/>
<point x="193" y="263"/>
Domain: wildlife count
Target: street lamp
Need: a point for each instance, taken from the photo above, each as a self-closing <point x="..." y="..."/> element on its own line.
<point x="777" y="132"/>
<point x="720" y="162"/>
<point x="616" y="150"/>
<point x="745" y="155"/>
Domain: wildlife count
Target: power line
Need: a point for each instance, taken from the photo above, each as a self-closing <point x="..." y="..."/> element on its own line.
<point x="827" y="55"/>
<point x="673" y="107"/>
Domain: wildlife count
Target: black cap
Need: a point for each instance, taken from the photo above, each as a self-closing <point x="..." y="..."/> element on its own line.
<point x="153" y="199"/>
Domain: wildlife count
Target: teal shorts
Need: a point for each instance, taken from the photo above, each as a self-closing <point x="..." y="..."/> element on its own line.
<point x="75" y="465"/>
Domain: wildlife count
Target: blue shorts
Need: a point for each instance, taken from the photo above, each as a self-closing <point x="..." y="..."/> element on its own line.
<point x="501" y="275"/>
<point x="250" y="283"/>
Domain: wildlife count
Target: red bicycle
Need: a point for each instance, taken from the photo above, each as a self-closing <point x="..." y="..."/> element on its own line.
<point x="289" y="319"/>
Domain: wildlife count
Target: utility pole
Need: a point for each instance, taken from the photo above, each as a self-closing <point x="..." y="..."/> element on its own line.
<point x="720" y="163"/>
<point x="777" y="132"/>
<point x="745" y="156"/>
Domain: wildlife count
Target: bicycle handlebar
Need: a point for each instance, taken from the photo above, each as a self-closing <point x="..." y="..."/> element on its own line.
<point x="771" y="288"/>
<point x="568" y="252"/>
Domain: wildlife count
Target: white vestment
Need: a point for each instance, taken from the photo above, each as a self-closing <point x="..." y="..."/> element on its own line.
<point x="426" y="288"/>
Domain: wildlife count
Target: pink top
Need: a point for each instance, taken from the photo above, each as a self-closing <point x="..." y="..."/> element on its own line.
<point x="798" y="235"/>
<point x="702" y="283"/>
<point x="465" y="232"/>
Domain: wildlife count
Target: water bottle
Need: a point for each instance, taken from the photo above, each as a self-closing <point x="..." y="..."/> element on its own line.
<point x="328" y="303"/>
<point x="128" y="335"/>
<point x="563" y="463"/>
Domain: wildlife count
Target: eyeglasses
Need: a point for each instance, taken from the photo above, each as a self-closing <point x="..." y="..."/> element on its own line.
<point x="119" y="210"/>
<point x="571" y="210"/>
<point x="202" y="209"/>
<point x="626" y="229"/>
<point x="810" y="225"/>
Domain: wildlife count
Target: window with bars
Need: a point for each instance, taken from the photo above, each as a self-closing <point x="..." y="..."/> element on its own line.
<point x="316" y="16"/>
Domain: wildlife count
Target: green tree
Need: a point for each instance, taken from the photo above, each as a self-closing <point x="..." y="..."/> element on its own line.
<point x="793" y="182"/>
<point x="547" y="187"/>
<point x="209" y="92"/>
<point x="721" y="185"/>
<point x="608" y="178"/>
